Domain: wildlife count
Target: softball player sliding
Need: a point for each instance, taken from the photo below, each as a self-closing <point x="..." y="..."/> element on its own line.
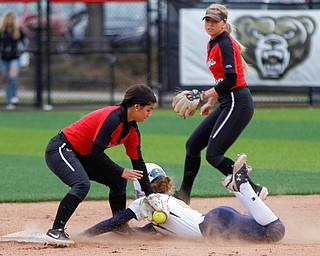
<point x="77" y="155"/>
<point x="261" y="224"/>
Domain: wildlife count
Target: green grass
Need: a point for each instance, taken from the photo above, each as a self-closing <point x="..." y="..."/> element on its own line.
<point x="282" y="146"/>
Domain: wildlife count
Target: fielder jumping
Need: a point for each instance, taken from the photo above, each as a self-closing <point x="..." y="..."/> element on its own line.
<point x="260" y="224"/>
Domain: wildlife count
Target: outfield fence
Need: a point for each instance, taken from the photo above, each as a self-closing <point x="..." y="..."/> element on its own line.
<point x="93" y="52"/>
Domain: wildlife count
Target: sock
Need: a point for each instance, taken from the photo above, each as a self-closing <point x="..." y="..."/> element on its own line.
<point x="242" y="202"/>
<point x="191" y="169"/>
<point x="226" y="166"/>
<point x="254" y="186"/>
<point x="257" y="208"/>
<point x="117" y="202"/>
<point x="66" y="208"/>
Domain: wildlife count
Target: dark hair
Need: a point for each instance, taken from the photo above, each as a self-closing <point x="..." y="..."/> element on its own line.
<point x="138" y="94"/>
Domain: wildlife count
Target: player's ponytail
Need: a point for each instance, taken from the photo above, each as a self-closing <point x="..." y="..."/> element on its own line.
<point x="164" y="185"/>
<point x="230" y="28"/>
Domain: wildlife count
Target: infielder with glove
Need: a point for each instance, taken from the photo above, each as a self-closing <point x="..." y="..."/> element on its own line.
<point x="77" y="155"/>
<point x="260" y="225"/>
<point x="221" y="128"/>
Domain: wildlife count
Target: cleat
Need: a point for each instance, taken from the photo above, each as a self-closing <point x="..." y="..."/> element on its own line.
<point x="240" y="173"/>
<point x="225" y="181"/>
<point x="58" y="237"/>
<point x="261" y="192"/>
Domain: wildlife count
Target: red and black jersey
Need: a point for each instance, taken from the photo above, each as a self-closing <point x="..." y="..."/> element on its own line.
<point x="223" y="58"/>
<point x="105" y="127"/>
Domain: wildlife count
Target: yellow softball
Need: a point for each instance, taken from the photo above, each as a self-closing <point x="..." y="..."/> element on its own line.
<point x="159" y="217"/>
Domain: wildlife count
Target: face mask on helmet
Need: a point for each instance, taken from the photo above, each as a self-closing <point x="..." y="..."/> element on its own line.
<point x="155" y="172"/>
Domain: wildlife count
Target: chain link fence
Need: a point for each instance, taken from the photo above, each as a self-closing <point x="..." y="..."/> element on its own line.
<point x="86" y="54"/>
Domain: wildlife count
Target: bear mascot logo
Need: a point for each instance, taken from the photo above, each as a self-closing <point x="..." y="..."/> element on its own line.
<point x="273" y="46"/>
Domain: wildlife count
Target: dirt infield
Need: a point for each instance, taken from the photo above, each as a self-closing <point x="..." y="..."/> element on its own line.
<point x="300" y="214"/>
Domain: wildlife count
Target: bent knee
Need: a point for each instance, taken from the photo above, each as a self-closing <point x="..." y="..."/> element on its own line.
<point x="275" y="231"/>
<point x="191" y="150"/>
<point x="80" y="189"/>
<point x="214" y="160"/>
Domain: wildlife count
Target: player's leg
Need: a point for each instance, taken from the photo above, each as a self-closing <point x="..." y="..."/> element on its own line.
<point x="261" y="191"/>
<point x="111" y="224"/>
<point x="14" y="79"/>
<point x="262" y="214"/>
<point x="117" y="186"/>
<point x="113" y="180"/>
<point x="65" y="164"/>
<point x="233" y="119"/>
<point x="226" y="223"/>
<point x="195" y="144"/>
<point x="5" y="66"/>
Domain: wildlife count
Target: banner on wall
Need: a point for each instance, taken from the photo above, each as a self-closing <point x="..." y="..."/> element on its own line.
<point x="282" y="46"/>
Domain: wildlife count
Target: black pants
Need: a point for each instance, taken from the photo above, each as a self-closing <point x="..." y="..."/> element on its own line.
<point x="221" y="128"/>
<point x="76" y="171"/>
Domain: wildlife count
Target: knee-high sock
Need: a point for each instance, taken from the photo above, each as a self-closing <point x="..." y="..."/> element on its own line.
<point x="257" y="208"/>
<point x="67" y="207"/>
<point x="117" y="202"/>
<point x="191" y="168"/>
<point x="242" y="202"/>
<point x="226" y="166"/>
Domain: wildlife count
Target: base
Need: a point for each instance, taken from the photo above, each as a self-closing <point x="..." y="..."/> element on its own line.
<point x="25" y="236"/>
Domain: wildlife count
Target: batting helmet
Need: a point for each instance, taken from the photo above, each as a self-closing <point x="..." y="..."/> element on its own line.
<point x="154" y="173"/>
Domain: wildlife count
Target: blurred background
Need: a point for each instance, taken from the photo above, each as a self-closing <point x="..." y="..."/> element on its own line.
<point x="86" y="53"/>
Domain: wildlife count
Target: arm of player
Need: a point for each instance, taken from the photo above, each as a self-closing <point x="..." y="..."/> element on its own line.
<point x="111" y="224"/>
<point x="144" y="181"/>
<point x="101" y="158"/>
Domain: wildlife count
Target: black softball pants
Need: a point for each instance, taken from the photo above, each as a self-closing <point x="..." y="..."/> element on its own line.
<point x="76" y="171"/>
<point x="220" y="129"/>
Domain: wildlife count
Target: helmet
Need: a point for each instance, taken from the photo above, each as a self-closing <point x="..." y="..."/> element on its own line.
<point x="154" y="172"/>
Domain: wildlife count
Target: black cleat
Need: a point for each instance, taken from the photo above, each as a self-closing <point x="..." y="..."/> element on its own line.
<point x="58" y="237"/>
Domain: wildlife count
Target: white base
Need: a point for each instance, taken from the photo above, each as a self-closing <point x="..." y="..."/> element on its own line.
<point x="25" y="236"/>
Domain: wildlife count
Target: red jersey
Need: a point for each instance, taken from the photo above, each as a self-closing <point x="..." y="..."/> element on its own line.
<point x="106" y="127"/>
<point x="223" y="57"/>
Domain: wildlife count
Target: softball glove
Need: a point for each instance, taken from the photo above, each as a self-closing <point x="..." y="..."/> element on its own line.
<point x="185" y="103"/>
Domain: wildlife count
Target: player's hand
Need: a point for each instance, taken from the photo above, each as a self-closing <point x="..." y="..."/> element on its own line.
<point x="205" y="109"/>
<point x="132" y="174"/>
